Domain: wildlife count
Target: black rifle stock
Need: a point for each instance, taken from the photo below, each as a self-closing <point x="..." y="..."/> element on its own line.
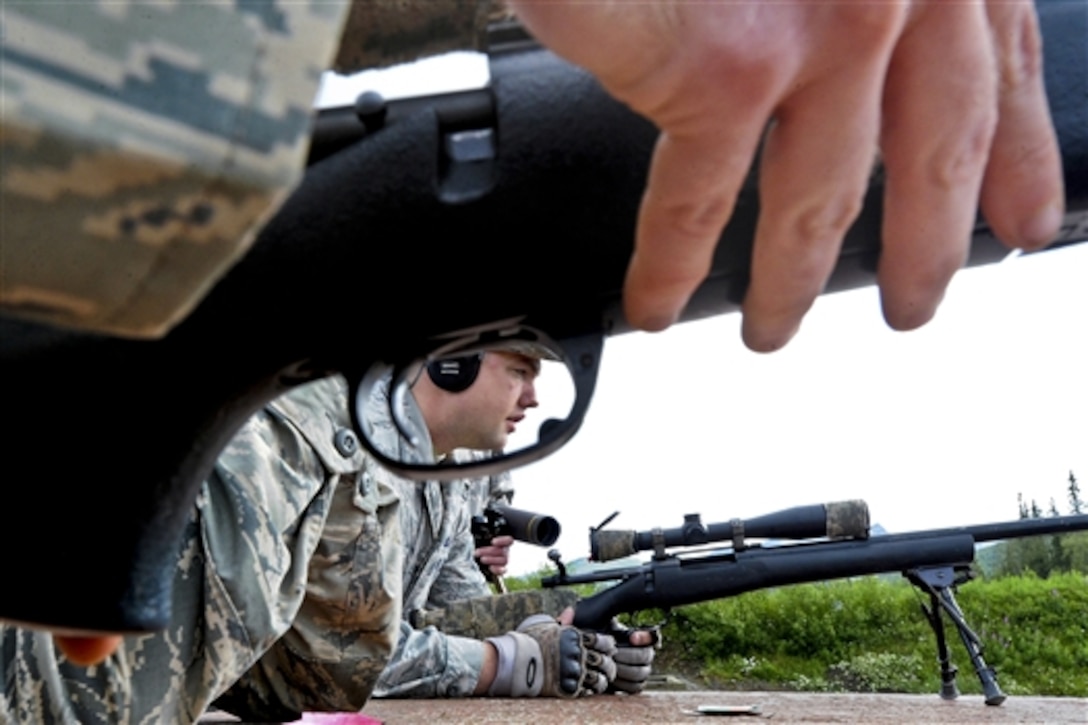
<point x="388" y="241"/>
<point x="935" y="560"/>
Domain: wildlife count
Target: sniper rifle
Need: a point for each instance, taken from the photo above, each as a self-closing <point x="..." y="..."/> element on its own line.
<point x="830" y="541"/>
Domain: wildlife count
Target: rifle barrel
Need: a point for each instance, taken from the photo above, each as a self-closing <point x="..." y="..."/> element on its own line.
<point x="1014" y="529"/>
<point x="677" y="581"/>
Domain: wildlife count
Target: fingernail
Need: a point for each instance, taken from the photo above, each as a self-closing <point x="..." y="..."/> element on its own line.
<point x="655" y="322"/>
<point x="1041" y="229"/>
<point x="765" y="340"/>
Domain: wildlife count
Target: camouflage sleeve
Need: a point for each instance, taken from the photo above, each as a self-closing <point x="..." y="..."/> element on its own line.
<point x="428" y="663"/>
<point x="348" y="621"/>
<point x="143" y="144"/>
<point x="501" y="488"/>
<point x="495" y="614"/>
<point x="492" y="489"/>
<point x="460" y="576"/>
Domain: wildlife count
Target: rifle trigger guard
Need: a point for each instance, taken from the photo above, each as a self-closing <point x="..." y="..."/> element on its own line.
<point x="737" y="527"/>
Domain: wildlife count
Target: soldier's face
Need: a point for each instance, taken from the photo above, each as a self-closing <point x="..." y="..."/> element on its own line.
<point x="490" y="410"/>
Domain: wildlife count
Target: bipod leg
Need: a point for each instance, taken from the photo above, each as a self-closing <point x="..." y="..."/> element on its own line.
<point x="940" y="585"/>
<point x="948" y="691"/>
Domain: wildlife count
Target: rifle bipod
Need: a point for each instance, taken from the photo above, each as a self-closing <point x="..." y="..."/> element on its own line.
<point x="940" y="582"/>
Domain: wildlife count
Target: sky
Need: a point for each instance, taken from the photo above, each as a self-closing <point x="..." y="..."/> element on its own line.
<point x="941" y="426"/>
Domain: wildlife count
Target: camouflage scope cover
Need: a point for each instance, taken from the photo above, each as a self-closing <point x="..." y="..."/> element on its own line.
<point x="493" y="615"/>
<point x="847" y="519"/>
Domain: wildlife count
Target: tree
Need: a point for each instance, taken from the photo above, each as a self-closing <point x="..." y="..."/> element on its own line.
<point x="1045" y="555"/>
<point x="1076" y="506"/>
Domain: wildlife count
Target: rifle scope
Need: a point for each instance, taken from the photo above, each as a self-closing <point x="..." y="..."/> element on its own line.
<point x="528" y="526"/>
<point x="836" y="520"/>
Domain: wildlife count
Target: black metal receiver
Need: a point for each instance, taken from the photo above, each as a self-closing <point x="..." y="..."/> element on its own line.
<point x="541" y="169"/>
<point x="829" y="544"/>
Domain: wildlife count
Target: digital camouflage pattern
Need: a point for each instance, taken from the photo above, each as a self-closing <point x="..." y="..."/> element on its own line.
<point x="439" y="568"/>
<point x="288" y="547"/>
<point x="142" y="145"/>
<point x="612" y="544"/>
<point x="346" y="624"/>
<point x="847" y="519"/>
<point x="491" y="616"/>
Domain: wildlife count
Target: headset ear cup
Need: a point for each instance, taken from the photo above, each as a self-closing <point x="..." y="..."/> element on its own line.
<point x="457" y="374"/>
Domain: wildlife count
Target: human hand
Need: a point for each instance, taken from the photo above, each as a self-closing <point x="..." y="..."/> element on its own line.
<point x="950" y="96"/>
<point x="634" y="657"/>
<point x="545" y="658"/>
<point x="495" y="557"/>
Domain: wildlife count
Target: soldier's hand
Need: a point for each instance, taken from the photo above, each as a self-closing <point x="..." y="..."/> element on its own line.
<point x="950" y="94"/>
<point x="496" y="556"/>
<point x="634" y="657"/>
<point x="544" y="658"/>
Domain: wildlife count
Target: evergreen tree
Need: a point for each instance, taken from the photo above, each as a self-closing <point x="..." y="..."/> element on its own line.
<point x="1076" y="506"/>
<point x="1075" y="546"/>
<point x="1036" y="512"/>
<point x="1046" y="555"/>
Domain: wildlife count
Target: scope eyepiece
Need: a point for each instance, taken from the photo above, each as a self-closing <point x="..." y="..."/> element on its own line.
<point x="527" y="526"/>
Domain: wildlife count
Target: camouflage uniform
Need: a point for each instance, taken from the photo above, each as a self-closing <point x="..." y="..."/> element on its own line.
<point x="439" y="569"/>
<point x="290" y="543"/>
<point x="143" y="145"/>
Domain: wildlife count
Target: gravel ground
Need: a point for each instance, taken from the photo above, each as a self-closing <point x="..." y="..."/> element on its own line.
<point x="681" y="707"/>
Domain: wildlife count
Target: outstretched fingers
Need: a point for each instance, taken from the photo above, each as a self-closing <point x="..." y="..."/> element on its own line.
<point x="816" y="165"/>
<point x="951" y="93"/>
<point x="940" y="112"/>
<point x="692" y="187"/>
<point x="1022" y="192"/>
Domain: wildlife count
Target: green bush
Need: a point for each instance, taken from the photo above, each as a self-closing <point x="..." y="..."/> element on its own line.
<point x="869" y="634"/>
<point x="879" y="672"/>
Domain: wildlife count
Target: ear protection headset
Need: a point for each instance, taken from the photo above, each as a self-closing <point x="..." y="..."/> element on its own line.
<point x="455" y="374"/>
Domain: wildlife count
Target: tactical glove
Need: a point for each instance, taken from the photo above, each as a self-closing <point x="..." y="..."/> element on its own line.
<point x="633" y="662"/>
<point x="543" y="658"/>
